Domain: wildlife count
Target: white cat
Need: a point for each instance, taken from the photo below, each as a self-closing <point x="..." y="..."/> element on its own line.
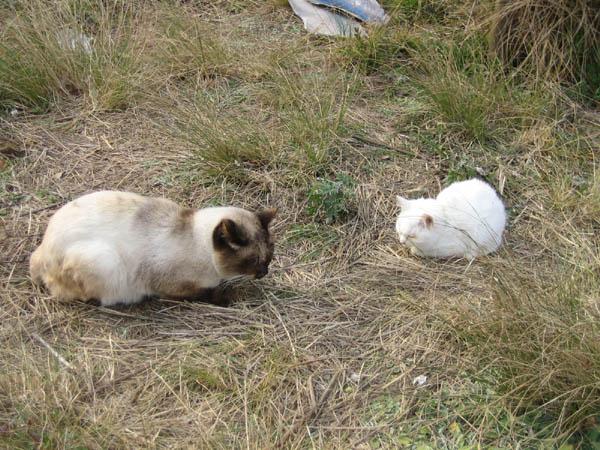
<point x="467" y="219"/>
<point x="118" y="247"/>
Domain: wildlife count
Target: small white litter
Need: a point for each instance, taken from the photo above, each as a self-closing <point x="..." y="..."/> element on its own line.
<point x="69" y="39"/>
<point x="420" y="380"/>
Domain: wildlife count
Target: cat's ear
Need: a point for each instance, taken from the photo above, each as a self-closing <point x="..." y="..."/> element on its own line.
<point x="401" y="201"/>
<point x="426" y="221"/>
<point x="266" y="216"/>
<point x="228" y="234"/>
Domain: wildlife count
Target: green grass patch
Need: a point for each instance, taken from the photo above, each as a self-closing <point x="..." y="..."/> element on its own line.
<point x="187" y="46"/>
<point x="226" y="143"/>
<point x="312" y="111"/>
<point x="470" y="93"/>
<point x="76" y="48"/>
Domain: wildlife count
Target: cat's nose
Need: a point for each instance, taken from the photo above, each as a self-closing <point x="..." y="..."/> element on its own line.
<point x="261" y="272"/>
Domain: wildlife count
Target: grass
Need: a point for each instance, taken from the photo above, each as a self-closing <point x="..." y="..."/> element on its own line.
<point x="471" y="95"/>
<point x="331" y="199"/>
<point x="233" y="103"/>
<point x="563" y="44"/>
<point x="46" y="55"/>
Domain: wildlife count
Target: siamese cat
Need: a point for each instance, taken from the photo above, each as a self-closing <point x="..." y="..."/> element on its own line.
<point x="466" y="219"/>
<point x="119" y="248"/>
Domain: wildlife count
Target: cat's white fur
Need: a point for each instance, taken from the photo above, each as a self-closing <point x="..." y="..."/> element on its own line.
<point x="107" y="245"/>
<point x="467" y="219"/>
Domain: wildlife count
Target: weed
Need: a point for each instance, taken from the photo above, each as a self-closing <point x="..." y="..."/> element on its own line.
<point x="331" y="199"/>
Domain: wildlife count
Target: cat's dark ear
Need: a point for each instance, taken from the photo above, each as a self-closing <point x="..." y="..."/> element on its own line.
<point x="266" y="216"/>
<point x="228" y="234"/>
<point x="401" y="201"/>
<point x="426" y="221"/>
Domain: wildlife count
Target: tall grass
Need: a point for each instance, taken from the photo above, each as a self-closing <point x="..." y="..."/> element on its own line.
<point x="74" y="48"/>
<point x="187" y="46"/>
<point x="552" y="38"/>
<point x="540" y="341"/>
<point x="224" y="143"/>
<point x="470" y="92"/>
<point x="312" y="109"/>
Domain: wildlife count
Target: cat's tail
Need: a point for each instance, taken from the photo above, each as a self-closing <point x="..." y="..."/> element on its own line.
<point x="481" y="176"/>
<point x="36" y="266"/>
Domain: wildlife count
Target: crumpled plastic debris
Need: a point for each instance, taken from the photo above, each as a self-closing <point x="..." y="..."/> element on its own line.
<point x="73" y="40"/>
<point x="338" y="17"/>
<point x="366" y="10"/>
<point x="319" y="20"/>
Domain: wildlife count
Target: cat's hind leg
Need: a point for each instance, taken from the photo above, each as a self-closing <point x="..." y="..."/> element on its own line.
<point x="415" y="251"/>
<point x="36" y="267"/>
<point x="94" y="270"/>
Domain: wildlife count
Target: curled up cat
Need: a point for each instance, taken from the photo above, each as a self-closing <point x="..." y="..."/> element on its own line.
<point x="119" y="248"/>
<point x="466" y="219"/>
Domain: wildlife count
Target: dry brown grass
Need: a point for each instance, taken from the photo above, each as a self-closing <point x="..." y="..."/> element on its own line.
<point x="323" y="352"/>
<point x="557" y="39"/>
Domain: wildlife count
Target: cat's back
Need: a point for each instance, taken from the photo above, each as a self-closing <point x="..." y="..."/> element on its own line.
<point x="109" y="215"/>
<point x="97" y="208"/>
<point x="473" y="194"/>
<point x="474" y="206"/>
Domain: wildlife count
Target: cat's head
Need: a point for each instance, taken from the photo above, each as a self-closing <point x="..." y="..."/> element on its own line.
<point x="243" y="244"/>
<point x="415" y="220"/>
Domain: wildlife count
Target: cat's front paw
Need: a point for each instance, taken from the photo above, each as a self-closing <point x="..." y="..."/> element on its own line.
<point x="221" y="297"/>
<point x="218" y="296"/>
<point x="415" y="251"/>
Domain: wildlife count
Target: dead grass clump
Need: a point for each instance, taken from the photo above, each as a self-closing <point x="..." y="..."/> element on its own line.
<point x="553" y="38"/>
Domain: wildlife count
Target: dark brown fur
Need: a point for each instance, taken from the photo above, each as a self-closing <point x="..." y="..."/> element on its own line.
<point x="245" y="250"/>
<point x="184" y="221"/>
<point x="242" y="248"/>
<point x="161" y="211"/>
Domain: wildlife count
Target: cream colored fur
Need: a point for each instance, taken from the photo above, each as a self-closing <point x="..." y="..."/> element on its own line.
<point x="111" y="246"/>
